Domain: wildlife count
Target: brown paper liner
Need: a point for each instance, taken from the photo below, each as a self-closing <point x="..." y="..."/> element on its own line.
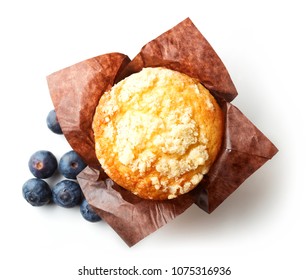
<point x="183" y="48"/>
<point x="245" y="149"/>
<point x="75" y="92"/>
<point x="131" y="217"/>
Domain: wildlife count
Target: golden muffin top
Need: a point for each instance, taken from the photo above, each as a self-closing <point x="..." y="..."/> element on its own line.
<point x="157" y="133"/>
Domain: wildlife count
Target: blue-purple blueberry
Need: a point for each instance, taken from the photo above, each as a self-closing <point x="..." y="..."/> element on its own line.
<point x="53" y="123"/>
<point x="71" y="164"/>
<point x="67" y="194"/>
<point x="43" y="164"/>
<point x="36" y="192"/>
<point x="88" y="213"/>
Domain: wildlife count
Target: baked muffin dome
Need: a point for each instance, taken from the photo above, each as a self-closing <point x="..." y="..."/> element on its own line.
<point x="157" y="133"/>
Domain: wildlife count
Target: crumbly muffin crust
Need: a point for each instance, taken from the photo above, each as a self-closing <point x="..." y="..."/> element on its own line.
<point x="157" y="133"/>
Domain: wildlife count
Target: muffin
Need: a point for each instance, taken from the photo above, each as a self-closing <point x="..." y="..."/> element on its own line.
<point x="157" y="133"/>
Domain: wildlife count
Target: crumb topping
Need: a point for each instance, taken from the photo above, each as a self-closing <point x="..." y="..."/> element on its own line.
<point x="154" y="126"/>
<point x="150" y="119"/>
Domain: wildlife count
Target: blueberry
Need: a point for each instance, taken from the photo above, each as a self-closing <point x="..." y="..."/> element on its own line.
<point x="52" y="122"/>
<point x="88" y="213"/>
<point x="43" y="164"/>
<point x="66" y="193"/>
<point x="37" y="192"/>
<point x="71" y="164"/>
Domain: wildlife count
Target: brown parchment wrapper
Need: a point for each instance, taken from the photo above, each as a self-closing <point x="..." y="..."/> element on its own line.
<point x="76" y="90"/>
<point x="131" y="217"/>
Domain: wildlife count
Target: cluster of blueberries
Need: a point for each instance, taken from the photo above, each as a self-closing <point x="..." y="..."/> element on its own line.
<point x="66" y="193"/>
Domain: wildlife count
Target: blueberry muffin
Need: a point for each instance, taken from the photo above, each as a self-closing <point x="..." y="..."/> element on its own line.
<point x="157" y="133"/>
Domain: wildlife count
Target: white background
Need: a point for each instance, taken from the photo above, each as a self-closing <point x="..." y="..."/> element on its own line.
<point x="260" y="231"/>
